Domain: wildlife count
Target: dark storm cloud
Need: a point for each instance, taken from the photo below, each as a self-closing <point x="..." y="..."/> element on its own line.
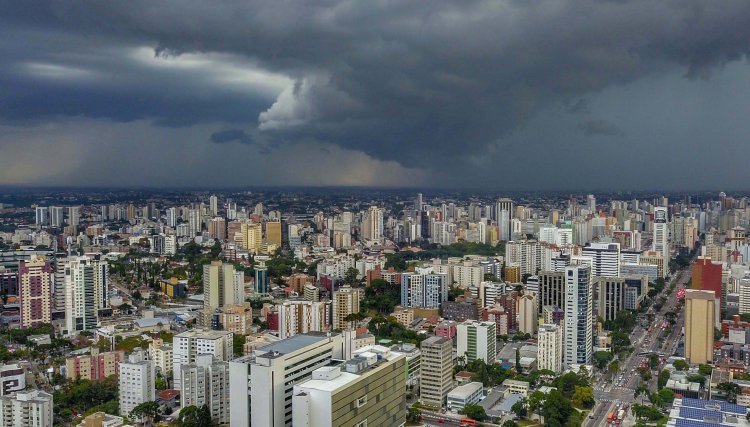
<point x="596" y="127"/>
<point x="231" y="135"/>
<point x="411" y="81"/>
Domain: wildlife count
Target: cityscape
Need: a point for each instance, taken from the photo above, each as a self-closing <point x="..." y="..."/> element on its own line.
<point x="338" y="213"/>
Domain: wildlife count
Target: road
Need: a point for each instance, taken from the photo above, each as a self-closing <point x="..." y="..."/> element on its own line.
<point x="621" y="391"/>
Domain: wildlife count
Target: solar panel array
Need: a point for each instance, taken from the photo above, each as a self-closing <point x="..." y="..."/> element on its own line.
<point x="694" y="423"/>
<point x="700" y="414"/>
<point x="725" y="406"/>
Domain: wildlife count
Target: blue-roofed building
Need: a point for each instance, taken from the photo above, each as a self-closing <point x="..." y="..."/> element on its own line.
<point x="689" y="412"/>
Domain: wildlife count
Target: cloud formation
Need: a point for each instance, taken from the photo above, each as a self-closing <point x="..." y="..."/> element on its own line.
<point x="442" y="86"/>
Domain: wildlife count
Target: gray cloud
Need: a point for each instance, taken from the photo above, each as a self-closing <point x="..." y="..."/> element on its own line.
<point x="596" y="127"/>
<point x="231" y="135"/>
<point x="441" y="85"/>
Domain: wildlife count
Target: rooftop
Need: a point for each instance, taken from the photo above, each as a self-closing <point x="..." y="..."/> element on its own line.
<point x="464" y="391"/>
<point x="292" y="344"/>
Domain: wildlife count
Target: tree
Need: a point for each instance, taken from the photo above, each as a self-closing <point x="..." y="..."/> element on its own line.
<point x="614" y="367"/>
<point x="518" y="361"/>
<point x="536" y="401"/>
<point x="474" y="412"/>
<point x="510" y="423"/>
<point x="519" y="408"/>
<point x="583" y="397"/>
<point x="192" y="416"/>
<point x="653" y="360"/>
<point x="145" y="411"/>
<point x="414" y="414"/>
<point x="351" y="277"/>
<point x="681" y="365"/>
<point x="601" y="358"/>
<point x="704" y="369"/>
<point x="731" y="389"/>
<point x="238" y="345"/>
<point x="666" y="396"/>
<point x="556" y="409"/>
<point x="664" y="375"/>
<point x="645" y="373"/>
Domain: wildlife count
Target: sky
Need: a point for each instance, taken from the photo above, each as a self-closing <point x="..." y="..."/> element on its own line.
<point x="502" y="95"/>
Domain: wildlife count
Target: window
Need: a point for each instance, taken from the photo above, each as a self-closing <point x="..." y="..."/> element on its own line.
<point x="361" y="402"/>
<point x="362" y="423"/>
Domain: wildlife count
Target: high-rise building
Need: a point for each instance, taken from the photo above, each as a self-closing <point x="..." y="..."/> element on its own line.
<point x="605" y="259"/>
<point x="217" y="228"/>
<point x="56" y="216"/>
<point x="299" y="317"/>
<point x="706" y="275"/>
<point x="213" y="203"/>
<point x="186" y="346"/>
<point x="579" y="327"/>
<point x="436" y="370"/>
<point x="137" y="382"/>
<point x="252" y="236"/>
<point x="86" y="292"/>
<point x="368" y="389"/>
<point x="423" y="290"/>
<point x="29" y="408"/>
<point x="206" y="382"/>
<point x="74" y="215"/>
<point x="273" y="233"/>
<point x="700" y="308"/>
<point x="661" y="232"/>
<point x="42" y="216"/>
<point x="261" y="278"/>
<point x="222" y="285"/>
<point x="610" y="296"/>
<point x="172" y="217"/>
<point x="93" y="367"/>
<point x="345" y="302"/>
<point x="476" y="340"/>
<point x="35" y="291"/>
<point x="551" y="289"/>
<point x="550" y="348"/>
<point x="267" y="377"/>
<point x="528" y="313"/>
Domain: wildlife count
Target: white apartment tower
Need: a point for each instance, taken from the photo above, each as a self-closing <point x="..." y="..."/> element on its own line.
<point x="29" y="408"/>
<point x="206" y="382"/>
<point x="299" y="317"/>
<point x="436" y="374"/>
<point x="477" y="340"/>
<point x="661" y="232"/>
<point x="137" y="382"/>
<point x="86" y="292"/>
<point x="187" y="346"/>
<point x="605" y="259"/>
<point x="550" y="348"/>
<point x="579" y="328"/>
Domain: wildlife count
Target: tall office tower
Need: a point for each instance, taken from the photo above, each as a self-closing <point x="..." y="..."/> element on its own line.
<point x="267" y="377"/>
<point x="423" y="290"/>
<point x="217" y="228"/>
<point x="579" y="328"/>
<point x="30" y="408"/>
<point x="610" y="296"/>
<point x="299" y="317"/>
<point x="591" y="203"/>
<point x="504" y="223"/>
<point x="195" y="222"/>
<point x="366" y="390"/>
<point x="436" y="370"/>
<point x="252" y="236"/>
<point x="172" y="217"/>
<point x="74" y="215"/>
<point x="137" y="382"/>
<point x="477" y="340"/>
<point x="221" y="286"/>
<point x="528" y="313"/>
<point x="605" y="259"/>
<point x="56" y="216"/>
<point x="706" y="275"/>
<point x="262" y="285"/>
<point x="551" y="289"/>
<point x="186" y="346"/>
<point x="418" y="203"/>
<point x="86" y="293"/>
<point x="375" y="223"/>
<point x="700" y="308"/>
<point x="130" y="212"/>
<point x="104" y="213"/>
<point x="503" y="204"/>
<point x="58" y="288"/>
<point x="213" y="203"/>
<point x="258" y="210"/>
<point x="273" y="233"/>
<point x="661" y="233"/>
<point x="345" y="302"/>
<point x="42" y="216"/>
<point x="206" y="382"/>
<point x="550" y="348"/>
<point x="35" y="291"/>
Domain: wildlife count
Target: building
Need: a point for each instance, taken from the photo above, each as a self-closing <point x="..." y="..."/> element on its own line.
<point x="477" y="340"/>
<point x="700" y="306"/>
<point x="345" y="302"/>
<point x="237" y="319"/>
<point x="579" y="327"/>
<point x="367" y="390"/>
<point x="299" y="317"/>
<point x="35" y="291"/>
<point x="413" y="361"/>
<point x="692" y="412"/>
<point x="512" y="274"/>
<point x="161" y="354"/>
<point x="436" y="371"/>
<point x="12" y="379"/>
<point x="187" y="345"/>
<point x="660" y="243"/>
<point x="311" y="293"/>
<point x="551" y="289"/>
<point x="30" y="408"/>
<point x="706" y="275"/>
<point x="423" y="290"/>
<point x="267" y="377"/>
<point x="528" y="313"/>
<point x="461" y="310"/>
<point x="137" y="382"/>
<point x="550" y="348"/>
<point x="93" y="367"/>
<point x="605" y="259"/>
<point x="446" y="329"/>
<point x="466" y="394"/>
<point x="273" y="233"/>
<point x="262" y="285"/>
<point x="206" y="382"/>
<point x="101" y="419"/>
<point x="610" y="296"/>
<point x="222" y="285"/>
<point x="86" y="293"/>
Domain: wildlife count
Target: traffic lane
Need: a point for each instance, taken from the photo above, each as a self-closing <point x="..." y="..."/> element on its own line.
<point x="434" y="420"/>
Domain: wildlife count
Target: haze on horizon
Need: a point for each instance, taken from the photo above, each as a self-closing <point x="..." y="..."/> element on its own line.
<point x="476" y="94"/>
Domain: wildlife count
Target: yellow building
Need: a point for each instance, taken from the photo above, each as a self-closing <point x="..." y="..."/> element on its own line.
<point x="345" y="302"/>
<point x="273" y="232"/>
<point x="653" y="258"/>
<point x="252" y="236"/>
<point x="699" y="320"/>
<point x="403" y="315"/>
<point x="512" y="273"/>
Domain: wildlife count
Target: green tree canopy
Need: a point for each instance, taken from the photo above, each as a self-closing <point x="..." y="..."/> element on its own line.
<point x="475" y="412"/>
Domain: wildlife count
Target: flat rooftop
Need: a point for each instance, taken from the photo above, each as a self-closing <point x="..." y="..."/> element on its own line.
<point x="293" y="344"/>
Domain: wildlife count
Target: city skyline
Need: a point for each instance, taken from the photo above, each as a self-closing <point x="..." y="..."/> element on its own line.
<point x="486" y="95"/>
